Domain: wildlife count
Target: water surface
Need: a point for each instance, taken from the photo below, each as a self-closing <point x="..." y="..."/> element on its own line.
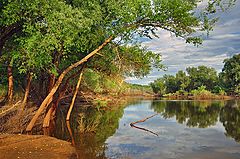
<point x="181" y="129"/>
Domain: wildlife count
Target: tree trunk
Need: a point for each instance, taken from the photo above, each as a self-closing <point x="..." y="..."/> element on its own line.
<point x="70" y="132"/>
<point x="51" y="82"/>
<point x="51" y="112"/>
<point x="59" y="81"/>
<point x="74" y="96"/>
<point x="26" y="91"/>
<point x="47" y="118"/>
<point x="10" y="84"/>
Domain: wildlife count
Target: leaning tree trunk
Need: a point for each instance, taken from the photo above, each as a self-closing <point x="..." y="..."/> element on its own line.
<point x="27" y="91"/>
<point x="52" y="110"/>
<point x="51" y="82"/>
<point x="59" y="81"/>
<point x="10" y="84"/>
<point x="74" y="96"/>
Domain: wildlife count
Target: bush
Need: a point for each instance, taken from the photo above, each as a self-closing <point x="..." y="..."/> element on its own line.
<point x="92" y="80"/>
<point x="202" y="93"/>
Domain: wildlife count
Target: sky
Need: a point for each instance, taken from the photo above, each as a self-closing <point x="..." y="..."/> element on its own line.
<point x="223" y="42"/>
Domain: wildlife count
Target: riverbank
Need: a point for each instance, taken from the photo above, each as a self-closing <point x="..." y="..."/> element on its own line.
<point x="34" y="147"/>
<point x="201" y="97"/>
<point x="14" y="121"/>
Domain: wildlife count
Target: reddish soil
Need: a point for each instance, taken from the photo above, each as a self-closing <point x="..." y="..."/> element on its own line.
<point x="34" y="147"/>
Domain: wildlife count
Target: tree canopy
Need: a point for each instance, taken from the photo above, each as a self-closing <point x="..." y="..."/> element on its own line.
<point x="50" y="38"/>
<point x="231" y="73"/>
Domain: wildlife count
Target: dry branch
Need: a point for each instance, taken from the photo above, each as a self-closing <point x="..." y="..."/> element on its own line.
<point x="141" y="121"/>
<point x="74" y="96"/>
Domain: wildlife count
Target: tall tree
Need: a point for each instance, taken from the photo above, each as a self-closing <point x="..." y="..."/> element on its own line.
<point x="183" y="80"/>
<point x="231" y="73"/>
<point x="202" y="76"/>
<point x="171" y="83"/>
<point x="158" y="86"/>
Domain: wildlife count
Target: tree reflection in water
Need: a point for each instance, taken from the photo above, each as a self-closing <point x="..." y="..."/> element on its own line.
<point x="90" y="128"/>
<point x="203" y="114"/>
<point x="230" y="117"/>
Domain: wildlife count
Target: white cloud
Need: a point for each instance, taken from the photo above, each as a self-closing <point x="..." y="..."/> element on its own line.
<point x="222" y="43"/>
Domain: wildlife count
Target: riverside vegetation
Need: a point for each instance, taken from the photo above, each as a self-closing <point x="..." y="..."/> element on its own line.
<point x="201" y="82"/>
<point x="54" y="52"/>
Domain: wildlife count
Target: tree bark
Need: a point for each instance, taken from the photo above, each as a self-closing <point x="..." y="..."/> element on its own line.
<point x="70" y="132"/>
<point x="59" y="81"/>
<point x="10" y="84"/>
<point x="52" y="110"/>
<point x="47" y="118"/>
<point x="51" y="82"/>
<point x="74" y="96"/>
<point x="27" y="91"/>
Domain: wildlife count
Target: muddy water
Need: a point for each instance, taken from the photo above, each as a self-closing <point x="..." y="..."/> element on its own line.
<point x="181" y="129"/>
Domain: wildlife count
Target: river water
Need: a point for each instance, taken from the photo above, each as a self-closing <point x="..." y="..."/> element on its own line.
<point x="179" y="129"/>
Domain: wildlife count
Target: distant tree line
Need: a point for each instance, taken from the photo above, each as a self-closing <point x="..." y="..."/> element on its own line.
<point x="202" y="78"/>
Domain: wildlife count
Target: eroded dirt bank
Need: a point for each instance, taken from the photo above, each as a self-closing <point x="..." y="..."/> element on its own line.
<point x="34" y="147"/>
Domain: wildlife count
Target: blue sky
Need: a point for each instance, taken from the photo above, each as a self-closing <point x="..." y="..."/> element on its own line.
<point x="223" y="42"/>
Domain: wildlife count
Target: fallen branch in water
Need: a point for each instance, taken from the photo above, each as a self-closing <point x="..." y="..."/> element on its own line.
<point x="141" y="121"/>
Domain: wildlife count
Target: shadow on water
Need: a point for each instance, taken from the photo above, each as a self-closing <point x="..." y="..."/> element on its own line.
<point x="90" y="129"/>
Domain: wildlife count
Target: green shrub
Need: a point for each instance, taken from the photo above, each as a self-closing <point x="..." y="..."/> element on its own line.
<point x="202" y="93"/>
<point x="3" y="90"/>
<point x="92" y="80"/>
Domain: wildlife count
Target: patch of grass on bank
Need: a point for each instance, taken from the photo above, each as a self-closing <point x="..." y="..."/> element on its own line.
<point x="199" y="93"/>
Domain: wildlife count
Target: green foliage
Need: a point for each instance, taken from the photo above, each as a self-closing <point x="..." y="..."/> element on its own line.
<point x="219" y="90"/>
<point x="145" y="88"/>
<point x="202" y="75"/>
<point x="158" y="86"/>
<point x="126" y="61"/>
<point x="44" y="37"/>
<point x="201" y="92"/>
<point x="197" y="81"/>
<point x="183" y="80"/>
<point x="170" y="83"/>
<point x="98" y="82"/>
<point x="231" y="73"/>
<point x="3" y="90"/>
<point x="92" y="80"/>
<point x="99" y="104"/>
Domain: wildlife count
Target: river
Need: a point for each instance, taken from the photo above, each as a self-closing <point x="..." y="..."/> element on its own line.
<point x="179" y="129"/>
